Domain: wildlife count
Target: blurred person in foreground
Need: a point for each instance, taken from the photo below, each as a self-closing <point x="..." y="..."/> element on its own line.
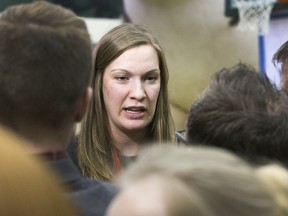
<point x="275" y="177"/>
<point x="190" y="181"/>
<point x="27" y="187"/>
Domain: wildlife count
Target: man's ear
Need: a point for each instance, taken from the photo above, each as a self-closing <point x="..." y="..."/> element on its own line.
<point x="83" y="104"/>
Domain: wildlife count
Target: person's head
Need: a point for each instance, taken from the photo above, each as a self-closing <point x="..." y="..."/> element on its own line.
<point x="45" y="68"/>
<point x="241" y="111"/>
<point x="180" y="180"/>
<point x="281" y="56"/>
<point x="130" y="92"/>
<point x="27" y="186"/>
<point x="275" y="178"/>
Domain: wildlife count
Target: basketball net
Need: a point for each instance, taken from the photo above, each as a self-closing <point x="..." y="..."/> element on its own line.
<point x="255" y="15"/>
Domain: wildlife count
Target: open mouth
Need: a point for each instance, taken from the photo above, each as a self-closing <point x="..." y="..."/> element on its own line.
<point x="135" y="109"/>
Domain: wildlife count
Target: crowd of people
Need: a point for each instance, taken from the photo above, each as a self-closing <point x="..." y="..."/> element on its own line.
<point x="126" y="161"/>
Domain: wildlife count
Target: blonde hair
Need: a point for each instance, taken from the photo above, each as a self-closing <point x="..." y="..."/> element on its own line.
<point x="27" y="188"/>
<point x="275" y="177"/>
<point x="96" y="144"/>
<point x="202" y="181"/>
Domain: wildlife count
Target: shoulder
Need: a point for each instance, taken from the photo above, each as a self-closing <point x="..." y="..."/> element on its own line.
<point x="93" y="197"/>
<point x="90" y="196"/>
<point x="98" y="186"/>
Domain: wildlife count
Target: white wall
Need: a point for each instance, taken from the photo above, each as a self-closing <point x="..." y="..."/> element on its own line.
<point x="98" y="27"/>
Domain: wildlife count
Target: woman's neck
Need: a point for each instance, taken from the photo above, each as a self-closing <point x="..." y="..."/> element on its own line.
<point x="128" y="144"/>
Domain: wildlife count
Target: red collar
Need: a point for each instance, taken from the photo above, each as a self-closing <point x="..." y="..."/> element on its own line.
<point x="117" y="163"/>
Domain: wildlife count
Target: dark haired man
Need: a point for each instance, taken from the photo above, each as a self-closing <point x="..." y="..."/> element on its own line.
<point x="45" y="66"/>
<point x="243" y="112"/>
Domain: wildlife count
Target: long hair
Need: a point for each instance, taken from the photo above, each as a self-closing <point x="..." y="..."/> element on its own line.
<point x="95" y="142"/>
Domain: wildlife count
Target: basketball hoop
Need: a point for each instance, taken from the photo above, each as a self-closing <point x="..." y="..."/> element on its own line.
<point x="255" y="15"/>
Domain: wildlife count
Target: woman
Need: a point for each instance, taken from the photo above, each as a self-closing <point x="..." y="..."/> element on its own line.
<point x="130" y="103"/>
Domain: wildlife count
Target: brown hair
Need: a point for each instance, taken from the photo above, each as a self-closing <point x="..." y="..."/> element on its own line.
<point x="231" y="114"/>
<point x="45" y="61"/>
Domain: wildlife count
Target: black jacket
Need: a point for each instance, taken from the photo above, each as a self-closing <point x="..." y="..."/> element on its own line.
<point x="90" y="196"/>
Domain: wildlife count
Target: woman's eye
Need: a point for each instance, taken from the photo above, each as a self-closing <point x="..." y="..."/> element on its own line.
<point x="121" y="78"/>
<point x="151" y="78"/>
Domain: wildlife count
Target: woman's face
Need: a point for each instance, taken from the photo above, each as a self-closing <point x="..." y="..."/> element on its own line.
<point x="131" y="85"/>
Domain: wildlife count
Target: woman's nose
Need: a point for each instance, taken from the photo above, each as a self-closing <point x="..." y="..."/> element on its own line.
<point x="137" y="90"/>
